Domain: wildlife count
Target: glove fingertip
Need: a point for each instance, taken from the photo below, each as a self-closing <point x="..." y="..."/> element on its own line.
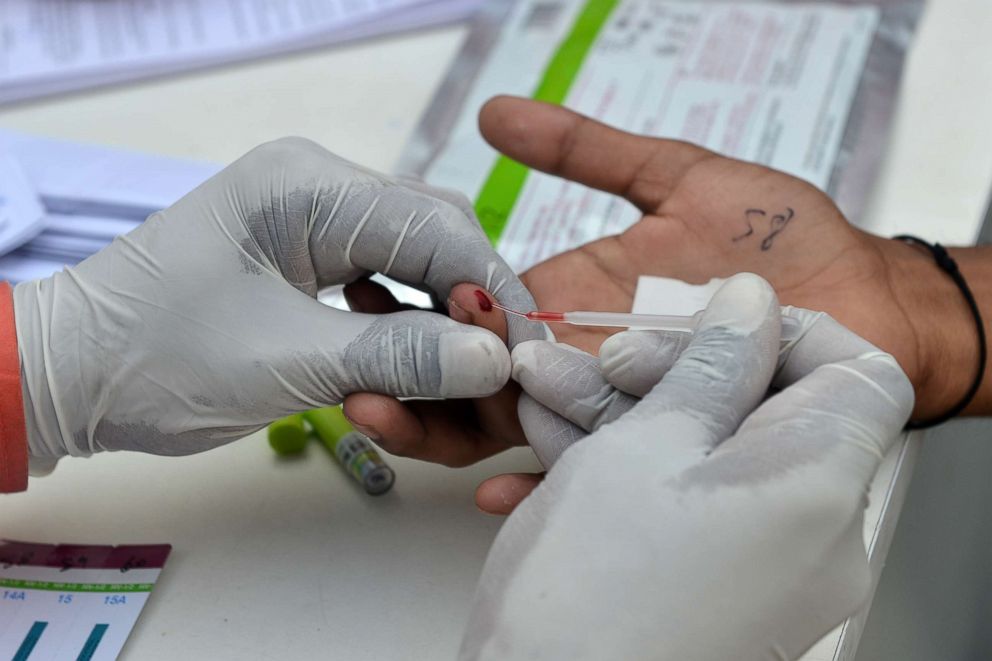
<point x="523" y="357"/>
<point x="617" y="353"/>
<point x="458" y="352"/>
<point x="634" y="361"/>
<point x="744" y="302"/>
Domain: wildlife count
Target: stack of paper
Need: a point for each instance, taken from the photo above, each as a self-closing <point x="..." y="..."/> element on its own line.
<point x="85" y="196"/>
<point x="50" y="46"/>
<point x="21" y="213"/>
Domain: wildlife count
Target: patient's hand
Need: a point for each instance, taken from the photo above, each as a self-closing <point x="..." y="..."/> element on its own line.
<point x="707" y="216"/>
<point x="704" y="216"/>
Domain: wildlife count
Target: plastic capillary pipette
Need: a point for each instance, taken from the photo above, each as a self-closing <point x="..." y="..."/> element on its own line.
<point x="791" y="328"/>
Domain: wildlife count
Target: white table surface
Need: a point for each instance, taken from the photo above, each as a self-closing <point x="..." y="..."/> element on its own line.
<point x="288" y="559"/>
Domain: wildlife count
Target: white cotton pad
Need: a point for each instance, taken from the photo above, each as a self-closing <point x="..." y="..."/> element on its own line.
<point x="657" y="295"/>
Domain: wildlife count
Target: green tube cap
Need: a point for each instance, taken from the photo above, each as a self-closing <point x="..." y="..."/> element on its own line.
<point x="288" y="435"/>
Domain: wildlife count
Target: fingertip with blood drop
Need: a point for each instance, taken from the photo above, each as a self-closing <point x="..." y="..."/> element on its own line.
<point x="471" y="304"/>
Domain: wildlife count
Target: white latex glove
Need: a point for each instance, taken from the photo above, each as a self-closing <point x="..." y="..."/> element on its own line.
<point x="201" y="325"/>
<point x="691" y="528"/>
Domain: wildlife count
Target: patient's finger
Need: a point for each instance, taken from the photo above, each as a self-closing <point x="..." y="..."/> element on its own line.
<point x="502" y="493"/>
<point x="569" y="145"/>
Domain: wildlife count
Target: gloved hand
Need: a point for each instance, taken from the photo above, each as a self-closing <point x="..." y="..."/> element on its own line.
<point x="201" y="325"/>
<point x="566" y="395"/>
<point x="690" y="527"/>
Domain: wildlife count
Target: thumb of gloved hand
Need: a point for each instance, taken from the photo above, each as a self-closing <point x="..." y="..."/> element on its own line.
<point x="404" y="354"/>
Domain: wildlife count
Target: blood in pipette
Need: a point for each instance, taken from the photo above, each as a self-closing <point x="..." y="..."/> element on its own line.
<point x="538" y="315"/>
<point x="484" y="303"/>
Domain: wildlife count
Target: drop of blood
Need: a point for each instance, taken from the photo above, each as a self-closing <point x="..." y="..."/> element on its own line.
<point x="484" y="303"/>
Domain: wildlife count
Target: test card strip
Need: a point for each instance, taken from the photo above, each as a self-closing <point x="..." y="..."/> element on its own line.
<point x="72" y="602"/>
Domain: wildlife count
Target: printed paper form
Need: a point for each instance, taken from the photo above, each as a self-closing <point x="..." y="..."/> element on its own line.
<point x="60" y="38"/>
<point x="770" y="83"/>
<point x="50" y="46"/>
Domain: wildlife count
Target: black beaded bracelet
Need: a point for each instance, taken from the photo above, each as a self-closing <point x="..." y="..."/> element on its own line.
<point x="949" y="266"/>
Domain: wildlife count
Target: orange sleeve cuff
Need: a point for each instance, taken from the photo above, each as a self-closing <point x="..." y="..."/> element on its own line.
<point x="13" y="434"/>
